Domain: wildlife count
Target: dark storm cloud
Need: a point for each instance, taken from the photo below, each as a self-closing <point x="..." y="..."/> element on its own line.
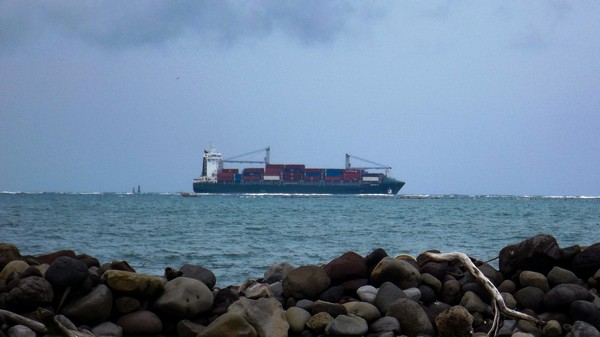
<point x="124" y="24"/>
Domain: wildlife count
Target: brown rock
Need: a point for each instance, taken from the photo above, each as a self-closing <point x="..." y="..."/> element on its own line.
<point x="305" y="282"/>
<point x="140" y="323"/>
<point x="586" y="263"/>
<point x="50" y="257"/>
<point x="454" y="322"/>
<point x="399" y="272"/>
<point x="349" y="266"/>
<point x="133" y="283"/>
<point x="229" y="325"/>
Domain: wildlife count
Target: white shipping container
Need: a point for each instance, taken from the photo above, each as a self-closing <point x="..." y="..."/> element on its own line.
<point x="271" y="178"/>
<point x="371" y="179"/>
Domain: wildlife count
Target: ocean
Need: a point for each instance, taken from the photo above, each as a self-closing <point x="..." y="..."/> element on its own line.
<point x="239" y="236"/>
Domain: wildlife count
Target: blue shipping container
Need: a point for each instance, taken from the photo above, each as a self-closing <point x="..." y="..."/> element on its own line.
<point x="334" y="172"/>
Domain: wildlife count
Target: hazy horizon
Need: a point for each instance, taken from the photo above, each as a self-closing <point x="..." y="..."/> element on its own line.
<point x="470" y="98"/>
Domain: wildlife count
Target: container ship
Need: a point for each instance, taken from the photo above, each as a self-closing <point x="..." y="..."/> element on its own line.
<point x="291" y="178"/>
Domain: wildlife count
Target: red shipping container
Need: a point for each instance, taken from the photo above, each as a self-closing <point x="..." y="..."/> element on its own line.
<point x="277" y="167"/>
<point x="333" y="178"/>
<point x="230" y="170"/>
<point x="295" y="166"/>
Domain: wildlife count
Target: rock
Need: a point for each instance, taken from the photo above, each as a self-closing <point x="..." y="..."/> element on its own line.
<point x="223" y="299"/>
<point x="431" y="281"/>
<point x="20" y="331"/>
<point x="277" y="272"/>
<point x="402" y="273"/>
<point x="363" y="309"/>
<point x="8" y="252"/>
<point x="491" y="273"/>
<point x="347" y="326"/>
<point x="349" y="266"/>
<point x="66" y="272"/>
<point x="334" y="309"/>
<point x="107" y="329"/>
<point x="583" y="329"/>
<point x="534" y="279"/>
<point x="539" y="253"/>
<point x="387" y="294"/>
<point x="560" y="297"/>
<point x="413" y="294"/>
<point x="199" y="273"/>
<point x="333" y="294"/>
<point x="531" y="298"/>
<point x="455" y="321"/>
<point x="305" y="304"/>
<point x="185" y="297"/>
<point x="50" y="257"/>
<point x="15" y="266"/>
<point x="385" y="324"/>
<point x="140" y="323"/>
<point x="374" y="258"/>
<point x="509" y="300"/>
<point x="558" y="275"/>
<point x="508" y="286"/>
<point x="367" y="293"/>
<point x="473" y="304"/>
<point x="412" y="318"/>
<point x="133" y="283"/>
<point x="187" y="328"/>
<point x="585" y="311"/>
<point x="436" y="269"/>
<point x="427" y="294"/>
<point x="126" y="304"/>
<point x="265" y="314"/>
<point x="552" y="329"/>
<point x="254" y="290"/>
<point x="229" y="325"/>
<point x="317" y="323"/>
<point x="305" y="282"/>
<point x="297" y="318"/>
<point x="92" y="308"/>
<point x="88" y="260"/>
<point x="529" y="328"/>
<point x="587" y="262"/>
<point x="451" y="293"/>
<point x="30" y="293"/>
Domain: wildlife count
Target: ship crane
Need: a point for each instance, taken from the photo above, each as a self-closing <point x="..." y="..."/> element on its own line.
<point x="376" y="167"/>
<point x="264" y="161"/>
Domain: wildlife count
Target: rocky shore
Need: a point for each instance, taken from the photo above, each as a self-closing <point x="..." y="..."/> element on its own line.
<point x="62" y="293"/>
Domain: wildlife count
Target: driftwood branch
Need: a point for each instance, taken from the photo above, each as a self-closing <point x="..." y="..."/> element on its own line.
<point x="31" y="324"/>
<point x="498" y="302"/>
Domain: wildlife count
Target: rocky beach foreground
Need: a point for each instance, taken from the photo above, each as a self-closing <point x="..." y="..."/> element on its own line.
<point x="554" y="289"/>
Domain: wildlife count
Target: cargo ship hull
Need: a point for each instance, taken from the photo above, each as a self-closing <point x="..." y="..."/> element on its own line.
<point x="386" y="187"/>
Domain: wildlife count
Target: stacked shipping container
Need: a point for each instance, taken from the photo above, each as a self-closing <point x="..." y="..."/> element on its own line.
<point x="297" y="173"/>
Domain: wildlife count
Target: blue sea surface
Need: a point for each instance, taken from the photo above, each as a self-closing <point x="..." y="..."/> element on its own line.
<point x="239" y="236"/>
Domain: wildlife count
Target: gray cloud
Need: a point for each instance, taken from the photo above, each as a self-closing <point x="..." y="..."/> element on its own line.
<point x="126" y="24"/>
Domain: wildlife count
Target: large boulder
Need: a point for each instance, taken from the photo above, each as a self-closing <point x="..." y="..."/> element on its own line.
<point x="346" y="267"/>
<point x="455" y="321"/>
<point x="199" y="273"/>
<point x="305" y="282"/>
<point x="185" y="297"/>
<point x="265" y="314"/>
<point x="134" y="284"/>
<point x="586" y="263"/>
<point x="93" y="308"/>
<point x="539" y="253"/>
<point x="349" y="326"/>
<point x="229" y="325"/>
<point x="412" y="318"/>
<point x="400" y="272"/>
<point x="140" y="323"/>
<point x="15" y="266"/>
<point x="276" y="272"/>
<point x="66" y="272"/>
<point x="560" y="297"/>
<point x="30" y="293"/>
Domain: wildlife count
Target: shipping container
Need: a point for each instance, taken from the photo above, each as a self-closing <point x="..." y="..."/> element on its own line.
<point x="370" y="179"/>
<point x="312" y="173"/>
<point x="237" y="178"/>
<point x="277" y="167"/>
<point x="271" y="178"/>
<point x="333" y="178"/>
<point x="254" y="169"/>
<point x="252" y="178"/>
<point x="292" y="176"/>
<point x="334" y="172"/>
<point x="230" y="170"/>
<point x="272" y="172"/>
<point x="225" y="177"/>
<point x="312" y="179"/>
<point x="295" y="166"/>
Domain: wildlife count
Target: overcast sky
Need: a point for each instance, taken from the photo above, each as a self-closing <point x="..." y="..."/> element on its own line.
<point x="466" y="97"/>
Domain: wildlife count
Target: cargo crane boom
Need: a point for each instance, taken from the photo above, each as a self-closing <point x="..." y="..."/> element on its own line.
<point x="265" y="161"/>
<point x="376" y="167"/>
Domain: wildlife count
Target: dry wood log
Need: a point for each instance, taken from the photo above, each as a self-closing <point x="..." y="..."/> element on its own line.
<point x="497" y="301"/>
<point x="31" y="324"/>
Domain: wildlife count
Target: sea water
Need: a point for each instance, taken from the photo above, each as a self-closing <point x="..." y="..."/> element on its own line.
<point x="239" y="236"/>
